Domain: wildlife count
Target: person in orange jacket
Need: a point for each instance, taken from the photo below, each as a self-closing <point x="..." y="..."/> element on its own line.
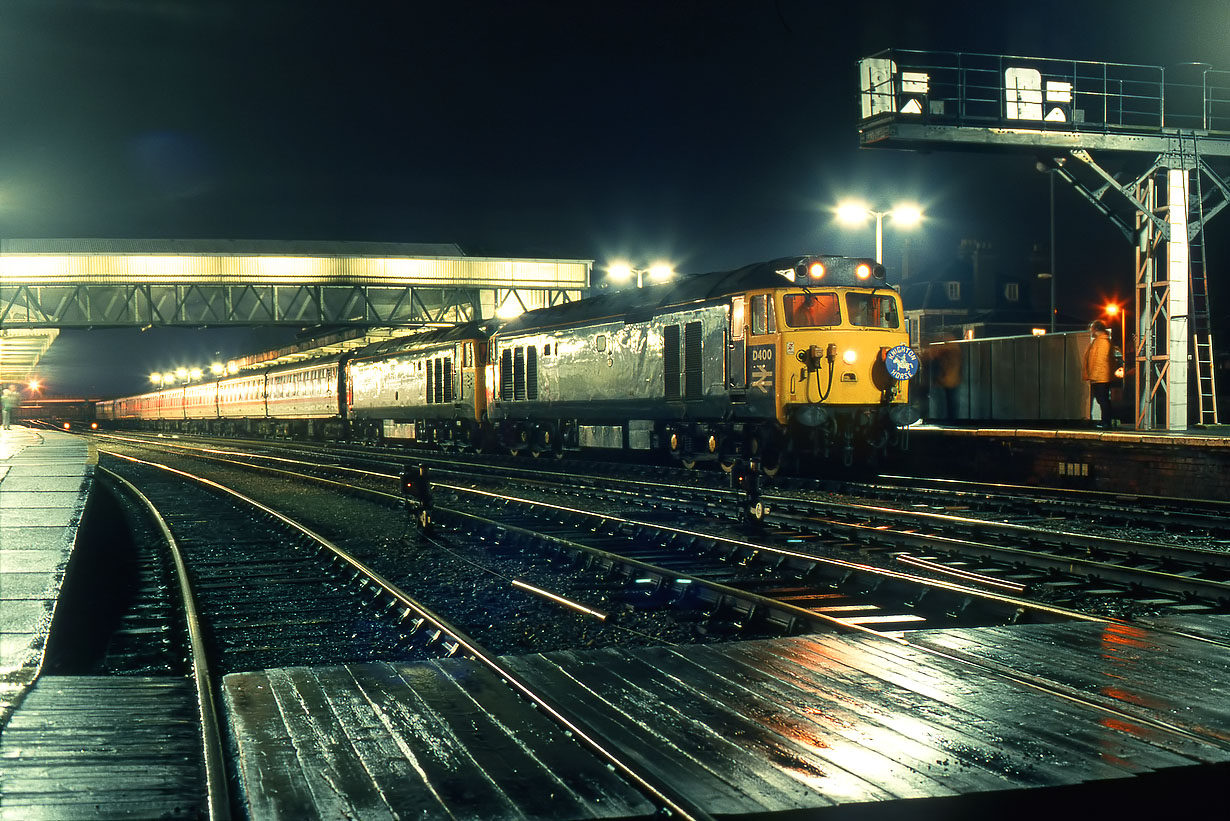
<point x="1098" y="369"/>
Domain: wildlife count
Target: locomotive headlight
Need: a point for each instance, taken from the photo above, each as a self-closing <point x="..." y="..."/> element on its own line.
<point x="863" y="271"/>
<point x="849" y="356"/>
<point x="816" y="270"/>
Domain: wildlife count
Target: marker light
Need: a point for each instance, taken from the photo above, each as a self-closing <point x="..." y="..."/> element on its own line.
<point x="93" y="426"/>
<point x="849" y="356"/>
<point x="620" y="272"/>
<point x="863" y="271"/>
<point x="661" y="272"/>
<point x="816" y="270"/>
<point x="66" y="426"/>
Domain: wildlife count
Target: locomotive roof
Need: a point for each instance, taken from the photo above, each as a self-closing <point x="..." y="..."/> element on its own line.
<point x="466" y="330"/>
<point x="693" y="288"/>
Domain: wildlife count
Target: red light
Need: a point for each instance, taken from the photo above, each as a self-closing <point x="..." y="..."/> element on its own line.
<point x="93" y="426"/>
<point x="66" y="426"/>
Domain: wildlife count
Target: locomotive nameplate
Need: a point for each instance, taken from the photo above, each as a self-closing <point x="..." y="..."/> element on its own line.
<point x="761" y="368"/>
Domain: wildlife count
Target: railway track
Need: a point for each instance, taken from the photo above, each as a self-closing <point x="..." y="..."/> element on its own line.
<point x="776" y="582"/>
<point x="958" y="537"/>
<point x="649" y="560"/>
<point x="256" y="594"/>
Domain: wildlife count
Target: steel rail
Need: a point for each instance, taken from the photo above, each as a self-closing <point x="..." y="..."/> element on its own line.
<point x="218" y="796"/>
<point x="660" y="792"/>
<point x="1175" y="583"/>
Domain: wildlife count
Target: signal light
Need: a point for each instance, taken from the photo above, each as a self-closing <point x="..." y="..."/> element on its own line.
<point x="414" y="484"/>
<point x="416" y="489"/>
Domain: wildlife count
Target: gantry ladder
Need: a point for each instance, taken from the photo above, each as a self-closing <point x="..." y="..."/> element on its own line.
<point x="1201" y="322"/>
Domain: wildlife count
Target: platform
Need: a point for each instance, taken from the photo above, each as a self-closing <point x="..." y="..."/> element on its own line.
<point x="45" y="479"/>
<point x="1192" y="464"/>
<point x="816" y="724"/>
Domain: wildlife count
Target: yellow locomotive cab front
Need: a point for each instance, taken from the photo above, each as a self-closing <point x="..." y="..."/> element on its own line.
<point x="835" y="346"/>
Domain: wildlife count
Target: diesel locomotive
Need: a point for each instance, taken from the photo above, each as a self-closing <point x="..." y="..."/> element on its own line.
<point x="796" y="357"/>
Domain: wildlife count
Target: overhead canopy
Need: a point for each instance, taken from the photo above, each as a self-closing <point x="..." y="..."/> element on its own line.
<point x="20" y="350"/>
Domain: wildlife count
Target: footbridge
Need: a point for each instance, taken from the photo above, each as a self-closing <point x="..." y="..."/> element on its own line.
<point x="51" y="284"/>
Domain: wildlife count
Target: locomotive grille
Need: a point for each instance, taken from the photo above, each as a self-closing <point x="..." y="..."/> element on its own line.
<point x="519" y="373"/>
<point x="692" y="363"/>
<point x="531" y="372"/>
<point x="670" y="357"/>
<point x="506" y="374"/>
<point x="448" y="378"/>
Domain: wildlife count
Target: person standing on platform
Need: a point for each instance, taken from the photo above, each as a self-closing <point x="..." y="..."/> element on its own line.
<point x="1098" y="369"/>
<point x="947" y="365"/>
<point x="9" y="401"/>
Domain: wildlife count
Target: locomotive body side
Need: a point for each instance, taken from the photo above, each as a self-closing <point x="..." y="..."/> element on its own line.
<point x="430" y="387"/>
<point x="610" y="381"/>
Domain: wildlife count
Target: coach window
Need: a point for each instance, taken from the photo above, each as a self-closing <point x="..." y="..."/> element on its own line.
<point x="763" y="320"/>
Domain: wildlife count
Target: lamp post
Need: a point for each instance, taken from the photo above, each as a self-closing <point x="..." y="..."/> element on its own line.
<point x="1051" y="277"/>
<point x="903" y="215"/>
<point x="1114" y="309"/>
<point x="622" y="272"/>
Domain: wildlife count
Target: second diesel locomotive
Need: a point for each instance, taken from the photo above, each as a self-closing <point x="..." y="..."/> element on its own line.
<point x="797" y="356"/>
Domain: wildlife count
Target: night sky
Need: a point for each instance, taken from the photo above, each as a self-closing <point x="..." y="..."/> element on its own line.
<point x="708" y="134"/>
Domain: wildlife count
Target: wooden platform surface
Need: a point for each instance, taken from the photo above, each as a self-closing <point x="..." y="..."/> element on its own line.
<point x="82" y="747"/>
<point x="758" y="727"/>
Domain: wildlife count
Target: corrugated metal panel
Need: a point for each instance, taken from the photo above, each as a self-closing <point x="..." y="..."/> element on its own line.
<point x="133" y="262"/>
<point x="230" y="247"/>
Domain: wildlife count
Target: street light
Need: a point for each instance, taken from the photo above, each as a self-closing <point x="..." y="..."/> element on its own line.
<point x="622" y="272"/>
<point x="1051" y="277"/>
<point x="1114" y="309"/>
<point x="854" y="213"/>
